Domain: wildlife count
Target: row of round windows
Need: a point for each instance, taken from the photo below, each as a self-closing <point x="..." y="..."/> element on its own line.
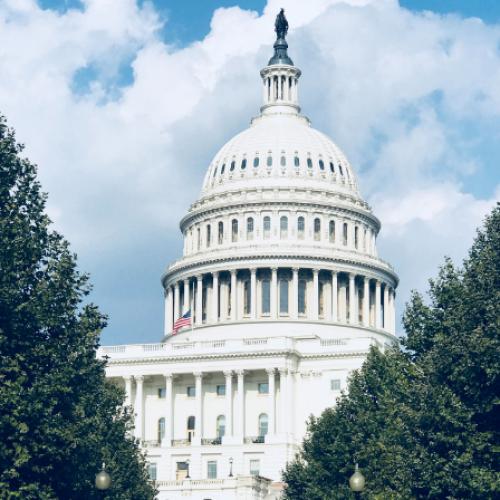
<point x="341" y="170"/>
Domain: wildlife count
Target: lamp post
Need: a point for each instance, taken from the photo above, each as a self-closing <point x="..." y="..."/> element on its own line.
<point x="231" y="467"/>
<point x="357" y="482"/>
<point x="187" y="475"/>
<point x="103" y="479"/>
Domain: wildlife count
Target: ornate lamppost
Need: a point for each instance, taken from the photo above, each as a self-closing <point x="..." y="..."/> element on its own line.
<point x="187" y="463"/>
<point x="357" y="482"/>
<point x="231" y="467"/>
<point x="102" y="479"/>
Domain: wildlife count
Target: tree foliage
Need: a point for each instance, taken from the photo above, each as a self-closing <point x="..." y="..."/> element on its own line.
<point x="422" y="421"/>
<point x="59" y="418"/>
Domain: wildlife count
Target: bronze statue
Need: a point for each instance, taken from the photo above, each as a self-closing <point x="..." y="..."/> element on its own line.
<point x="281" y="24"/>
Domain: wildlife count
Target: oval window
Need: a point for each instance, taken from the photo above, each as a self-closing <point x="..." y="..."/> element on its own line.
<point x="309" y="163"/>
<point x="321" y="165"/>
<point x="243" y="164"/>
<point x="233" y="164"/>
<point x="256" y="161"/>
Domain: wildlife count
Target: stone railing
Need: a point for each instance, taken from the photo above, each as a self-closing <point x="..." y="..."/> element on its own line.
<point x="211" y="441"/>
<point x="180" y="442"/>
<point x="228" y="346"/>
<point x="254" y="439"/>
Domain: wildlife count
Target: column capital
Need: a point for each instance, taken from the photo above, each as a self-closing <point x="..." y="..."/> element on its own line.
<point x="198" y="374"/>
<point x="274" y="269"/>
<point x="228" y="373"/>
<point x="215" y="274"/>
<point x="127" y="378"/>
<point x="295" y="269"/>
<point x="334" y="272"/>
<point x="253" y="270"/>
<point x="139" y="378"/>
<point x="233" y="271"/>
<point x="199" y="277"/>
<point x="168" y="376"/>
<point x="283" y="370"/>
<point x="186" y="281"/>
<point x="270" y="371"/>
<point x="315" y="271"/>
<point x="240" y="373"/>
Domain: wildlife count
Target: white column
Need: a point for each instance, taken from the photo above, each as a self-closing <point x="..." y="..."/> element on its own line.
<point x="139" y="407"/>
<point x="169" y="420"/>
<point x="366" y="301"/>
<point x="233" y="295"/>
<point x="274" y="293"/>
<point x="229" y="403"/>
<point x="253" y="293"/>
<point x="272" y="402"/>
<point x="352" y="299"/>
<point x="177" y="302"/>
<point x="168" y="311"/>
<point x="128" y="390"/>
<point x="199" y="300"/>
<point x="187" y="301"/>
<point x="295" y="293"/>
<point x="335" y="298"/>
<point x="315" y="306"/>
<point x="283" y="401"/>
<point x="241" y="403"/>
<point x="215" y="297"/>
<point x="198" y="376"/>
<point x="393" y="312"/>
<point x="378" y="318"/>
<point x="386" y="308"/>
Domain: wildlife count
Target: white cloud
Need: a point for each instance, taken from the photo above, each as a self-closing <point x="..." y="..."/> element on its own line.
<point x="123" y="161"/>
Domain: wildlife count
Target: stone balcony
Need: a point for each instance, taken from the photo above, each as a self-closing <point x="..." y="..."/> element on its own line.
<point x="252" y="346"/>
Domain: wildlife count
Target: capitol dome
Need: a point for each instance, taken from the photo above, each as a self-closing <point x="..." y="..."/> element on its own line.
<point x="278" y="295"/>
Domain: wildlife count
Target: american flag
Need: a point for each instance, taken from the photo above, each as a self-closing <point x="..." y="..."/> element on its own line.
<point x="184" y="320"/>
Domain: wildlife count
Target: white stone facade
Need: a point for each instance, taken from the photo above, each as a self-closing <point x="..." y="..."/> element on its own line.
<point x="287" y="294"/>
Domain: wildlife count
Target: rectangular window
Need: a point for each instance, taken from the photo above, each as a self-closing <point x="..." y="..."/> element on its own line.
<point x="263" y="388"/>
<point x="321" y="296"/>
<point x="246" y="297"/>
<point x="302" y="296"/>
<point x="335" y="384"/>
<point x="254" y="467"/>
<point x="152" y="471"/>
<point x="162" y="392"/>
<point x="212" y="469"/>
<point x="283" y="296"/>
<point x="266" y="296"/>
<point x="221" y="390"/>
<point x="191" y="391"/>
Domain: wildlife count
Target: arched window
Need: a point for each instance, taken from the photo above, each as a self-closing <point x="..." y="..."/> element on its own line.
<point x="266" y="227"/>
<point x="296" y="161"/>
<point x="234" y="230"/>
<point x="283" y="227"/>
<point x="302" y="296"/>
<point x="283" y="296"/>
<point x="331" y="231"/>
<point x="300" y="227"/>
<point x="233" y="164"/>
<point x="243" y="164"/>
<point x="250" y="228"/>
<point x="223" y="168"/>
<point x="209" y="234"/>
<point x="246" y="297"/>
<point x="356" y="237"/>
<point x="321" y="165"/>
<point x="256" y="161"/>
<point x="332" y="168"/>
<point x="220" y="238"/>
<point x="283" y="161"/>
<point x="198" y="239"/>
<point x="220" y="426"/>
<point x="161" y="429"/>
<point x="269" y="161"/>
<point x="309" y="163"/>
<point x="266" y="296"/>
<point x="263" y="424"/>
<point x="344" y="233"/>
<point x="317" y="229"/>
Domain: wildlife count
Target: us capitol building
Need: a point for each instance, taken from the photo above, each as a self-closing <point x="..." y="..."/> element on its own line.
<point x="286" y="292"/>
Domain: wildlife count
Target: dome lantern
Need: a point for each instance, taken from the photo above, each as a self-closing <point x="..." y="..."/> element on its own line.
<point x="280" y="77"/>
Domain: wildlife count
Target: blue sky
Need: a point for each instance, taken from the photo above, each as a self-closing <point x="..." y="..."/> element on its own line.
<point x="123" y="104"/>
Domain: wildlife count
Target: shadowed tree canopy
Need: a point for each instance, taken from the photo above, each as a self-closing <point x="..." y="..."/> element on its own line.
<point x="421" y="421"/>
<point x="59" y="418"/>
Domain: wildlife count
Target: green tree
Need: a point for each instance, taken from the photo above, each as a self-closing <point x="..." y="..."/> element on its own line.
<point x="422" y="422"/>
<point x="59" y="417"/>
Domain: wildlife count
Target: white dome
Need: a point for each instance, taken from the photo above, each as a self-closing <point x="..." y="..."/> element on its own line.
<point x="280" y="149"/>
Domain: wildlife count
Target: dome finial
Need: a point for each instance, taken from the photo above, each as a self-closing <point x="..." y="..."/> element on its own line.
<point x="280" y="46"/>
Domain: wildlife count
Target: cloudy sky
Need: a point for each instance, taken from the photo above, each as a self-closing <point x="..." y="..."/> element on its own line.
<point x="123" y="103"/>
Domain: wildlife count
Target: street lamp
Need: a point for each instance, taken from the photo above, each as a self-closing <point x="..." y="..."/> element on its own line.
<point x="103" y="479"/>
<point x="357" y="481"/>
<point x="231" y="467"/>
<point x="187" y="475"/>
